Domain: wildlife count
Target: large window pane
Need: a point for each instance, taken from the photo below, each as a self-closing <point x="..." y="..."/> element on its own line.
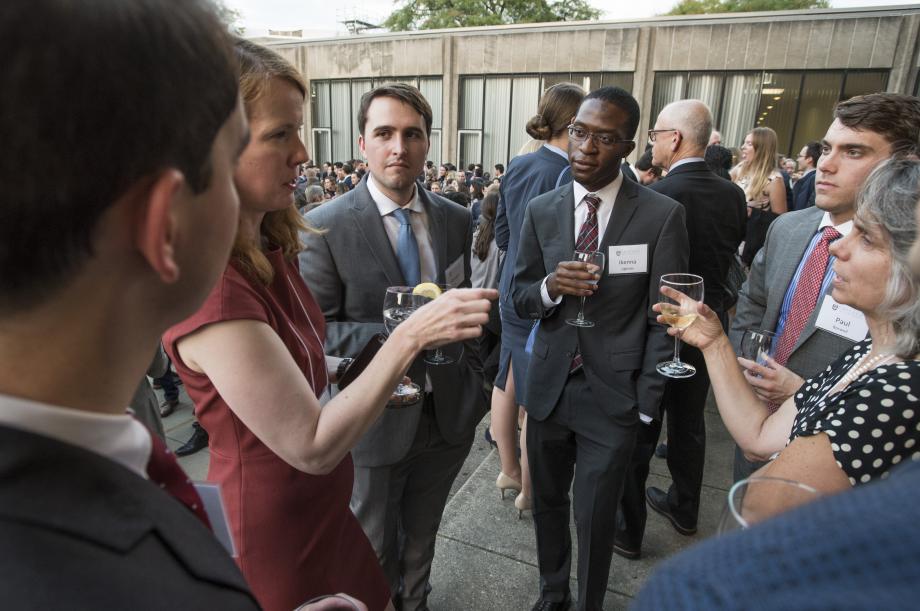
<point x="668" y="88"/>
<point x="708" y="89"/>
<point x="554" y="79"/>
<point x="820" y="93"/>
<point x="779" y="97"/>
<point x="341" y="120"/>
<point x="624" y="80"/>
<point x="358" y="89"/>
<point x="523" y="106"/>
<point x="496" y="123"/>
<point x="861" y="83"/>
<point x="434" y="153"/>
<point x="471" y="103"/>
<point x="431" y="88"/>
<point x="742" y="94"/>
<point x="322" y="152"/>
<point x="320" y="98"/>
<point x="469" y="148"/>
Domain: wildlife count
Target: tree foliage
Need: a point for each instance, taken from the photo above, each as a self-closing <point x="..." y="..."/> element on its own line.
<point x="435" y="14"/>
<point x="697" y="7"/>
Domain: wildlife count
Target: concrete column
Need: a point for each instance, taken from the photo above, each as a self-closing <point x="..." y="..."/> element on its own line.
<point x="643" y="85"/>
<point x="904" y="66"/>
<point x="450" y="99"/>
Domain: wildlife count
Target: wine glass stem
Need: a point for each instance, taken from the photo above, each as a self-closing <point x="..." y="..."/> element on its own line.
<point x="581" y="309"/>
<point x="677" y="348"/>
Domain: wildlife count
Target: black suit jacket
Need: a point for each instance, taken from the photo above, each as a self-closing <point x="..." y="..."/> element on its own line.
<point x="716" y="216"/>
<point x="803" y="192"/>
<point x="79" y="531"/>
<point x="620" y="353"/>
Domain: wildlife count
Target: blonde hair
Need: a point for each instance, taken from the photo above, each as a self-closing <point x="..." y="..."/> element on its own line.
<point x="258" y="66"/>
<point x="756" y="170"/>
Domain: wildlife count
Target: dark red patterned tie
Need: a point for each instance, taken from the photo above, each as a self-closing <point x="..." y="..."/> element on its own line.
<point x="586" y="242"/>
<point x="804" y="299"/>
<point x="164" y="470"/>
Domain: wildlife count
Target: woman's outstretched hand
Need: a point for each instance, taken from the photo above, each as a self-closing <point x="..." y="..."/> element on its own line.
<point x="455" y="316"/>
<point x="704" y="331"/>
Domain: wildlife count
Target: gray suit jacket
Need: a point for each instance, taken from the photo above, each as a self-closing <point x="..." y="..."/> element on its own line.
<point x="348" y="267"/>
<point x="761" y="296"/>
<point x="620" y="353"/>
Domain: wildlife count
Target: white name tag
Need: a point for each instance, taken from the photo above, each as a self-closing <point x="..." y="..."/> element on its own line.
<point x="628" y="259"/>
<point x="842" y="320"/>
<point x="217" y="514"/>
<point x="453" y="275"/>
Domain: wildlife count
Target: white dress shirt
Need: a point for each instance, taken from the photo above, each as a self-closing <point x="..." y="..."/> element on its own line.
<point x="419" y="221"/>
<point x="608" y="196"/>
<point x="681" y="162"/>
<point x="119" y="438"/>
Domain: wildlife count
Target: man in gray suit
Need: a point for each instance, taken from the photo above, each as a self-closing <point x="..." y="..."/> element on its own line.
<point x="866" y="131"/>
<point x="390" y="232"/>
<point x="589" y="388"/>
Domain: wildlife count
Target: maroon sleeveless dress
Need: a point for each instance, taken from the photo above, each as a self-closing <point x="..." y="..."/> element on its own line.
<point x="294" y="532"/>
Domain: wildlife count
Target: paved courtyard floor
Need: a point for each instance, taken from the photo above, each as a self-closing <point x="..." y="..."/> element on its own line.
<point x="486" y="557"/>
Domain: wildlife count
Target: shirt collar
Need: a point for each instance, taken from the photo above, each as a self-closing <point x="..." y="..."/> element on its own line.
<point x="556" y="150"/>
<point x="677" y="164"/>
<point x="607" y="194"/>
<point x="120" y="438"/>
<point x="386" y="205"/>
<point x="843" y="228"/>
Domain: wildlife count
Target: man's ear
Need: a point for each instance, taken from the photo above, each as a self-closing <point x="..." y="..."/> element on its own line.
<point x="156" y="224"/>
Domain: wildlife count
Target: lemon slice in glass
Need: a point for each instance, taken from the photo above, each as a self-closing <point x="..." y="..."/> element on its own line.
<point x="429" y="290"/>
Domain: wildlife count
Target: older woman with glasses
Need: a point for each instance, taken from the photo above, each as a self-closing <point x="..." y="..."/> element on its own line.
<point x="860" y="417"/>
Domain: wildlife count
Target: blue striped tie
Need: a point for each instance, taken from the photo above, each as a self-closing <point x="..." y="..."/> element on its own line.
<point x="407" y="249"/>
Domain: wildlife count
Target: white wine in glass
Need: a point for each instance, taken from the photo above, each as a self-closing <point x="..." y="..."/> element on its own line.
<point x="680" y="314"/>
<point x="591" y="257"/>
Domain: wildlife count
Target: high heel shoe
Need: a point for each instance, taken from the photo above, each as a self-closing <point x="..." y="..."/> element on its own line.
<point x="523" y="503"/>
<point x="504" y="482"/>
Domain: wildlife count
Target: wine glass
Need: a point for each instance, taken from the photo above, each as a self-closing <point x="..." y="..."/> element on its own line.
<point x="591" y="257"/>
<point x="757" y="498"/>
<point x="398" y="304"/>
<point x="757" y="345"/>
<point x="438" y="357"/>
<point x="680" y="314"/>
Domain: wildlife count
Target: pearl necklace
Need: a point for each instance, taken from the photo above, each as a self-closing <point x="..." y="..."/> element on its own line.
<point x="864" y="365"/>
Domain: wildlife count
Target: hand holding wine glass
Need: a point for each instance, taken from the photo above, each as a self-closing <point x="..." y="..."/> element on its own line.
<point x="679" y="311"/>
<point x="398" y="305"/>
<point x="593" y="259"/>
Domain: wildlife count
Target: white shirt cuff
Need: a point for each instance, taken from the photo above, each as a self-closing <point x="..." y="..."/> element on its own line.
<point x="645" y="419"/>
<point x="544" y="295"/>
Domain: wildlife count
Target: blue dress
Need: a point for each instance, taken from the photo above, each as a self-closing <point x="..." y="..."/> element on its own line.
<point x="527" y="177"/>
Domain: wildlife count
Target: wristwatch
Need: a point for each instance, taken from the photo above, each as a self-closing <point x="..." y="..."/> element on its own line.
<point x="344" y="364"/>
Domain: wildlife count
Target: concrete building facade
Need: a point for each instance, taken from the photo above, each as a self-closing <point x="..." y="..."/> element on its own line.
<point x="785" y="70"/>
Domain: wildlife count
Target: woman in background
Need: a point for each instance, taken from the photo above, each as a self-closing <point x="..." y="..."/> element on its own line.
<point x="759" y="177"/>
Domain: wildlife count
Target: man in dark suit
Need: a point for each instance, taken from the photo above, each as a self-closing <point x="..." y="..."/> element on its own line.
<point x="390" y="232"/>
<point x="126" y="240"/>
<point x="716" y="216"/>
<point x="866" y="131"/>
<point x="803" y="191"/>
<point x="587" y="388"/>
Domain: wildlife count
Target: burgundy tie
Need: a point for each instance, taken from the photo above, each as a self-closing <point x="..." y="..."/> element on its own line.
<point x="805" y="298"/>
<point x="586" y="242"/>
<point x="164" y="470"/>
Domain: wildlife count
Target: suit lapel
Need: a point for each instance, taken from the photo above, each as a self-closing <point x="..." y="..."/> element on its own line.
<point x="437" y="232"/>
<point x="623" y="209"/>
<point x="369" y="224"/>
<point x="565" y="215"/>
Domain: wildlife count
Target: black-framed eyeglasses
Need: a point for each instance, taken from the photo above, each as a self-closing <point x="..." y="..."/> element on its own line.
<point x="580" y="134"/>
<point x="653" y="133"/>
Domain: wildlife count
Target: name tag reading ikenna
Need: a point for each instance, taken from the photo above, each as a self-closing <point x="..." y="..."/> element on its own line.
<point x="628" y="259"/>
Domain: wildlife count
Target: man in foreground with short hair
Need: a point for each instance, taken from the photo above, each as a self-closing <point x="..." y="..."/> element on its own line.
<point x="125" y="241"/>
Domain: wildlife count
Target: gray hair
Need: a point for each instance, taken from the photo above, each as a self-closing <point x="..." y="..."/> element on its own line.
<point x="315" y="194"/>
<point x="888" y="201"/>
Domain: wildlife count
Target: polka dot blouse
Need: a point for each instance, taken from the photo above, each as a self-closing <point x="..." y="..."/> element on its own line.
<point x="873" y="424"/>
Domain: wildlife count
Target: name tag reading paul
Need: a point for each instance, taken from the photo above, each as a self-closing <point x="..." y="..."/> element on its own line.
<point x="842" y="320"/>
<point x="628" y="259"/>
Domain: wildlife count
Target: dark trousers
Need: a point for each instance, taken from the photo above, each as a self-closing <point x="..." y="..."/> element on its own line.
<point x="577" y="432"/>
<point x="683" y="404"/>
<point x="168" y="383"/>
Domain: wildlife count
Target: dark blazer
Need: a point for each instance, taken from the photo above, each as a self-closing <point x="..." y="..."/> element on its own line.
<point x="803" y="192"/>
<point x="761" y="296"/>
<point x="79" y="531"/>
<point x="716" y="216"/>
<point x="348" y="268"/>
<point x="620" y="353"/>
<point x="528" y="176"/>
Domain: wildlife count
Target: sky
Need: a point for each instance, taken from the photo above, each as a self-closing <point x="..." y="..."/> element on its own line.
<point x="322" y="18"/>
